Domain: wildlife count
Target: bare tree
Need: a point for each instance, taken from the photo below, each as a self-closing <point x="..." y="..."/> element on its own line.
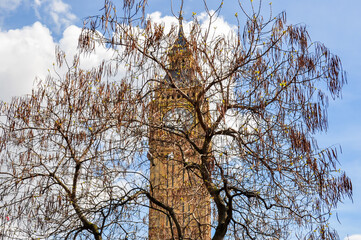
<point x="65" y="152"/>
<point x="75" y="150"/>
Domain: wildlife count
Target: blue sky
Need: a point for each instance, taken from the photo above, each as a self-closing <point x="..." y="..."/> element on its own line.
<point x="30" y="30"/>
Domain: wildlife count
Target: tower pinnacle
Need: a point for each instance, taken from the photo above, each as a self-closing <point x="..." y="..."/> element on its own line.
<point x="181" y="41"/>
<point x="180" y="60"/>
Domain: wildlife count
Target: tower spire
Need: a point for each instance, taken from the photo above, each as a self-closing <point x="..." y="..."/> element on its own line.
<point x="181" y="41"/>
<point x="180" y="59"/>
<point x="180" y="31"/>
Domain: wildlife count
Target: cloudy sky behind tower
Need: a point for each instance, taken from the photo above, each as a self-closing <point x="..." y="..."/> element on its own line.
<point x="31" y="29"/>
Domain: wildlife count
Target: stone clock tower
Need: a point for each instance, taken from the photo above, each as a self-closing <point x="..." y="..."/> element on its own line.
<point x="181" y="202"/>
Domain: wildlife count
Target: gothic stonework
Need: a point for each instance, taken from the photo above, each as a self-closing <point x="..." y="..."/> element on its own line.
<point x="174" y="183"/>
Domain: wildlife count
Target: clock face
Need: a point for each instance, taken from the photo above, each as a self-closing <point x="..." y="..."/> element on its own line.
<point x="180" y="118"/>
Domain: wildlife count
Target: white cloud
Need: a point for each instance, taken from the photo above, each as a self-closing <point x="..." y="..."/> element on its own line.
<point x="29" y="52"/>
<point x="168" y="21"/>
<point x="353" y="237"/>
<point x="69" y="44"/>
<point x="9" y="5"/>
<point x="219" y="25"/>
<point x="37" y="2"/>
<point x="60" y="13"/>
<point x="59" y="6"/>
<point x="56" y="12"/>
<point x="24" y="54"/>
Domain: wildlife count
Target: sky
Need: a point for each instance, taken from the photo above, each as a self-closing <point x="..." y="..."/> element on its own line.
<point x="31" y="29"/>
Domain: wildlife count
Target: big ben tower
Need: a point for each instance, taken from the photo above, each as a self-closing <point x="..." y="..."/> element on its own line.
<point x="180" y="204"/>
